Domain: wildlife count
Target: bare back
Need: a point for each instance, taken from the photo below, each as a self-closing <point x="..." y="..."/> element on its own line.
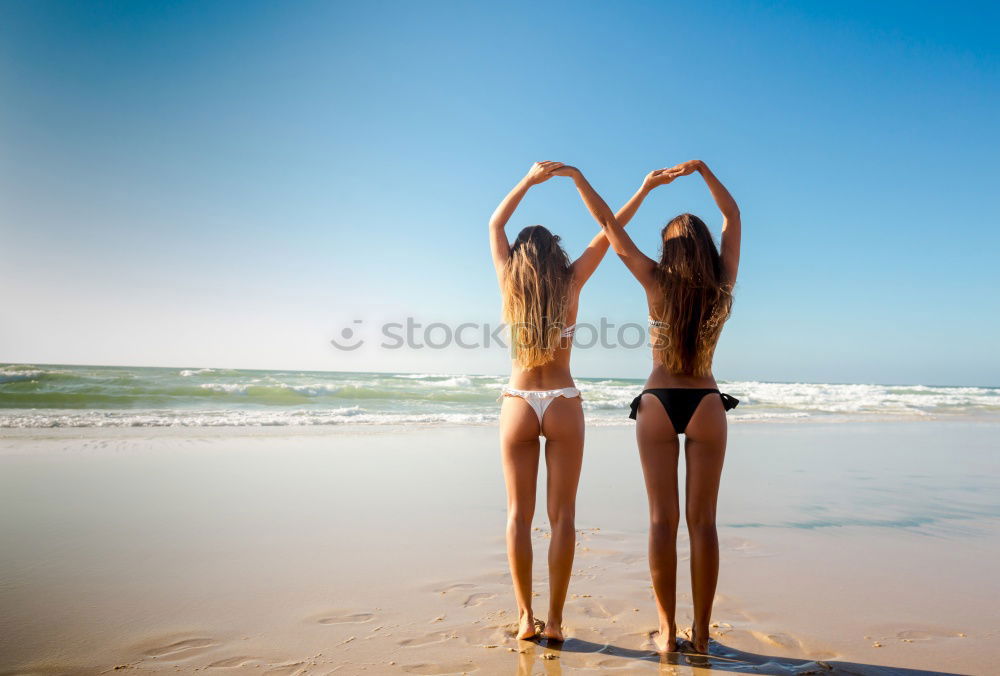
<point x="556" y="373"/>
<point x="661" y="376"/>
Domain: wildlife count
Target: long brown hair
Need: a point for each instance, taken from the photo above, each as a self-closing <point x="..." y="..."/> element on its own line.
<point x="535" y="289"/>
<point x="696" y="298"/>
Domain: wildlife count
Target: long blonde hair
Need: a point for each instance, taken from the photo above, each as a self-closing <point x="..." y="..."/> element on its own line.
<point x="535" y="290"/>
<point x="697" y="299"/>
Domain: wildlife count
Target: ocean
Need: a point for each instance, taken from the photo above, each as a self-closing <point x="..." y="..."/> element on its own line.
<point x="42" y="396"/>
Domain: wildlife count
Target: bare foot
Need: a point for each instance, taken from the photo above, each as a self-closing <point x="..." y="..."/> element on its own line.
<point x="699" y="643"/>
<point x="552" y="631"/>
<point x="526" y="625"/>
<point x="664" y="640"/>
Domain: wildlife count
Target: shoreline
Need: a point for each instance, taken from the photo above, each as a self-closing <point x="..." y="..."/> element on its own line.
<point x="368" y="429"/>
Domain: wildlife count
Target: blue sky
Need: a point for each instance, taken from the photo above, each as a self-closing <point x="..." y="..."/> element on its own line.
<point x="232" y="183"/>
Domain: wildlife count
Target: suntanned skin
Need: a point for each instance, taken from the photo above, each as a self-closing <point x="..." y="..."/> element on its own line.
<point x="705" y="436"/>
<point x="563" y="423"/>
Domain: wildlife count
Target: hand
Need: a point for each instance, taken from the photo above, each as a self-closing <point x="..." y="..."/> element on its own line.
<point x="660" y="177"/>
<point x="686" y="168"/>
<point x="664" y="176"/>
<point x="542" y="171"/>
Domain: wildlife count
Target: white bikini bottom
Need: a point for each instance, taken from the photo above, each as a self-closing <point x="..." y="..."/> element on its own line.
<point x="540" y="400"/>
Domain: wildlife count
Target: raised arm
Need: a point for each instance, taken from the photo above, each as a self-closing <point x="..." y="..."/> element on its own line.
<point x="584" y="266"/>
<point x="639" y="264"/>
<point x="499" y="245"/>
<point x="731" y="226"/>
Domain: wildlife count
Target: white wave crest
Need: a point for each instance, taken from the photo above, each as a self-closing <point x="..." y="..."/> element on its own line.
<point x="229" y="388"/>
<point x="431" y="379"/>
<point x="878" y="399"/>
<point x="230" y="418"/>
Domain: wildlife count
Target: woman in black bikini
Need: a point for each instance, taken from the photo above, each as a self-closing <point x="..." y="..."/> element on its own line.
<point x="689" y="291"/>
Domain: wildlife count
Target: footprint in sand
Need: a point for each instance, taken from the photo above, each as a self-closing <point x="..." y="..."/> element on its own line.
<point x="232" y="662"/>
<point x="478" y="599"/>
<point x="458" y="586"/>
<point x="605" y="609"/>
<point x="486" y="635"/>
<point x="777" y="640"/>
<point x="346" y="617"/>
<point x="179" y="650"/>
<point x="436" y="637"/>
<point x="286" y="669"/>
<point x="438" y="669"/>
<point x="926" y="634"/>
<point x="596" y="611"/>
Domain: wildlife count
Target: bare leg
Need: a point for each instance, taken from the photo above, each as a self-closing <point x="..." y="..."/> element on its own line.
<point x="564" y="431"/>
<point x="659" y="450"/>
<point x="704" y="452"/>
<point x="519" y="449"/>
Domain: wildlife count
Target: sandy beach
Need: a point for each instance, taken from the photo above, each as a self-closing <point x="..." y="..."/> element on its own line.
<point x="860" y="548"/>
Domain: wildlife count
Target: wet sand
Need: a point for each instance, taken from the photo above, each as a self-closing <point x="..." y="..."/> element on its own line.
<point x="860" y="548"/>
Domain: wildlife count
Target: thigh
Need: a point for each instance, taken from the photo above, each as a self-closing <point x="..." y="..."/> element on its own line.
<point x="564" y="434"/>
<point x="519" y="451"/>
<point x="658" y="451"/>
<point x="704" y="453"/>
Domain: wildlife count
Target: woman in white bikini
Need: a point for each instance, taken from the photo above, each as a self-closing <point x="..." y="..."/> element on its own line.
<point x="541" y="291"/>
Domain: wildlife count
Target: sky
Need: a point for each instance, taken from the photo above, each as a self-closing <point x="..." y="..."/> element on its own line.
<point x="234" y="184"/>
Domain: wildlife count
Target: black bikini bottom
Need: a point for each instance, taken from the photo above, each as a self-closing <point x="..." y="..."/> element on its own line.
<point x="681" y="402"/>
